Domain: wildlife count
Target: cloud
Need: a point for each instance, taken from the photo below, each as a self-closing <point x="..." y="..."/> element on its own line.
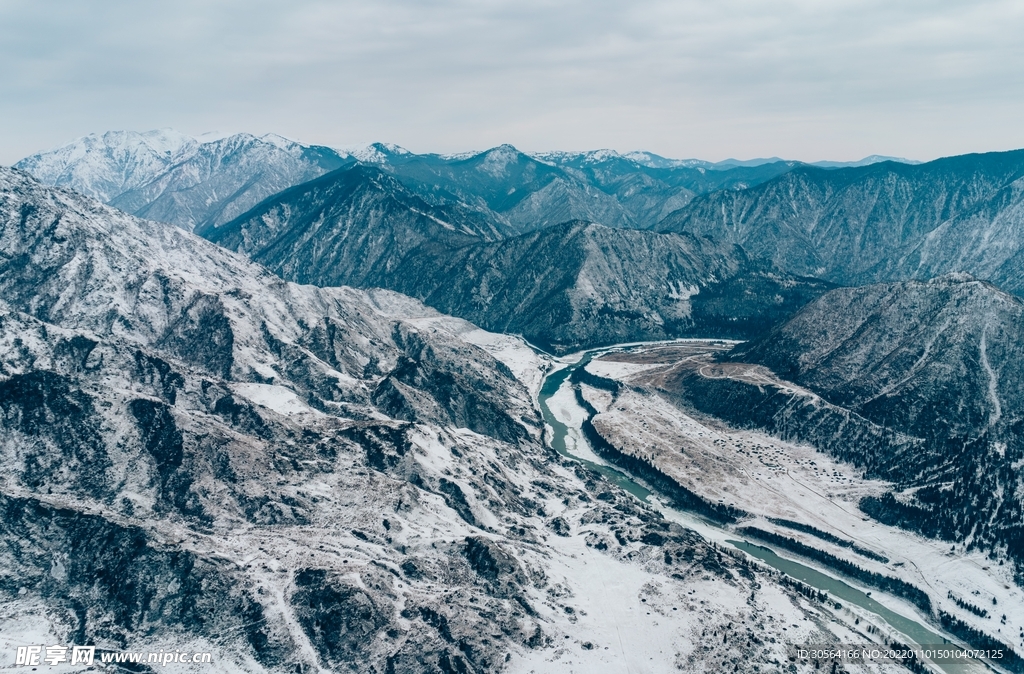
<point x="715" y="78"/>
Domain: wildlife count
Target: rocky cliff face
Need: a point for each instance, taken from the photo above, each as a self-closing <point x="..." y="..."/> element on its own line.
<point x="883" y="222"/>
<point x="293" y="478"/>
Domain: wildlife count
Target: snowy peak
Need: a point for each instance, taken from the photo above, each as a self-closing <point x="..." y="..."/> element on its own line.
<point x="496" y="161"/>
<point x="376" y="153"/>
<point x="281" y="142"/>
<point x="105" y="165"/>
<point x="167" y="142"/>
<point x="558" y="158"/>
<point x="167" y="176"/>
<point x="651" y="160"/>
<point x="596" y="157"/>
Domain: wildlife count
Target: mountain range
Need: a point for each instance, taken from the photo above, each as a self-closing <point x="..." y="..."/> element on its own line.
<point x="531" y="192"/>
<point x="563" y="287"/>
<point x="850" y="223"/>
<point x="254" y="371"/>
<point x="883" y="222"/>
<point x="296" y="478"/>
<point x="167" y="176"/>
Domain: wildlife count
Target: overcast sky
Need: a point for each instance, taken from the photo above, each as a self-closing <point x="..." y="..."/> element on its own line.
<point x="802" y="79"/>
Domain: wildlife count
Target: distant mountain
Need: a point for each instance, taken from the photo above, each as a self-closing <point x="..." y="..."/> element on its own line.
<point x="651" y="160"/>
<point x="168" y="177"/>
<point x="885" y="221"/>
<point x="866" y="161"/>
<point x="935" y="368"/>
<point x="529" y="192"/>
<point x="104" y="166"/>
<point x="649" y="189"/>
<point x="515" y="189"/>
<point x="747" y="163"/>
<point x="353" y="226"/>
<point x="639" y="157"/>
<point x="376" y="153"/>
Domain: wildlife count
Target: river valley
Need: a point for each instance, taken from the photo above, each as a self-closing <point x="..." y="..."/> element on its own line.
<point x="894" y="617"/>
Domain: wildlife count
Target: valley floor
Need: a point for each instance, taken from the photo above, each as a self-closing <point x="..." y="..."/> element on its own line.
<point x="770" y="478"/>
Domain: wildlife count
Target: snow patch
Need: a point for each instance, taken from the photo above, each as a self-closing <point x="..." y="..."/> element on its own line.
<point x="278" y="398"/>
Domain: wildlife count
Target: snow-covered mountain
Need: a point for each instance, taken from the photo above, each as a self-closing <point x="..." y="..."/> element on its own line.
<point x="200" y="455"/>
<point x="651" y="160"/>
<point x="104" y="166"/>
<point x="376" y="153"/>
<point x="887" y="221"/>
<point x="169" y="177"/>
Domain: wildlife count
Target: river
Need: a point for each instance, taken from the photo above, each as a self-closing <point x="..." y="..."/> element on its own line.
<point x="914" y="632"/>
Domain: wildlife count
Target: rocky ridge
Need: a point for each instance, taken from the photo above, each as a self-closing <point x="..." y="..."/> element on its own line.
<point x="883" y="222"/>
<point x="169" y="177"/>
<point x="580" y="284"/>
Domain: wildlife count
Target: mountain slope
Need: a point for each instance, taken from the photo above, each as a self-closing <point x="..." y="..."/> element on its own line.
<point x="886" y="221"/>
<point x="353" y="226"/>
<point x="579" y="284"/>
<point x="169" y="177"/>
<point x="935" y="359"/>
<point x="938" y="363"/>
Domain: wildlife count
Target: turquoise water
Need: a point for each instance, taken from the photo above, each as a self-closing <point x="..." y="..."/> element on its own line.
<point x="551" y="385"/>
